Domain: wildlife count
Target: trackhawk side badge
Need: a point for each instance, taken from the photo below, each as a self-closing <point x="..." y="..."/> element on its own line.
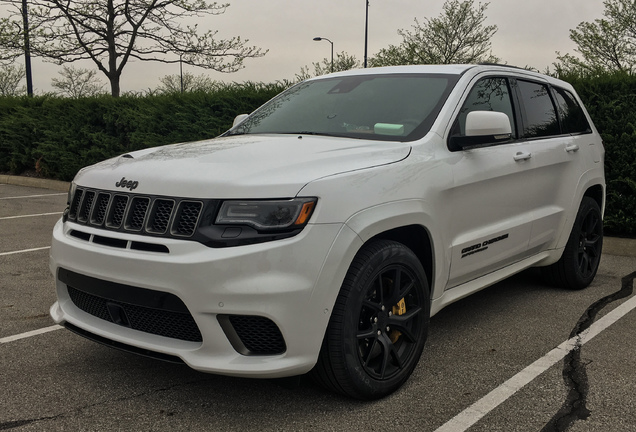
<point x="128" y="184"/>
<point x="480" y="247"/>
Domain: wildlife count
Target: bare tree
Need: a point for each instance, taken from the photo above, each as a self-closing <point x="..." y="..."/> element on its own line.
<point x="458" y="35"/>
<point x="110" y="33"/>
<point x="78" y="83"/>
<point x="10" y="78"/>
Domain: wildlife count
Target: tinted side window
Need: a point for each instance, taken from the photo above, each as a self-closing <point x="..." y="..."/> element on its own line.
<point x="573" y="119"/>
<point x="489" y="94"/>
<point x="541" y="119"/>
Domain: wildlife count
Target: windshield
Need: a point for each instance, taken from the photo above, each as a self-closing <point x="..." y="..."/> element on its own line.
<point x="396" y="107"/>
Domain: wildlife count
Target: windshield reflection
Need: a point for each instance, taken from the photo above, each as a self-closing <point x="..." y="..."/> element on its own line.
<point x="396" y="107"/>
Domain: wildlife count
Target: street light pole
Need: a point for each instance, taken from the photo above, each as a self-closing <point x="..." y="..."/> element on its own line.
<point x="322" y="38"/>
<point x="181" y="70"/>
<point x="366" y="32"/>
<point x="27" y="48"/>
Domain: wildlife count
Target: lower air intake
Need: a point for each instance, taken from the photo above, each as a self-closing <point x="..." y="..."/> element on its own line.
<point x="253" y="335"/>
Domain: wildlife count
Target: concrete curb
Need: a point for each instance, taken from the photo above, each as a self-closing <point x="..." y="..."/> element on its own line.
<point x="611" y="245"/>
<point x="35" y="182"/>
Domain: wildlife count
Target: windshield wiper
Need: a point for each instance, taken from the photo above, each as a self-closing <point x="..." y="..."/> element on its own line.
<point x="329" y="134"/>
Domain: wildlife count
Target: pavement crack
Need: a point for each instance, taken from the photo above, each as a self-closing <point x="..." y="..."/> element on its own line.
<point x="574" y="372"/>
<point x="18" y="423"/>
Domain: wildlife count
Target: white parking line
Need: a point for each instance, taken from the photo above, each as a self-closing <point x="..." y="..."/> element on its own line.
<point x="471" y="415"/>
<point x="34" y="196"/>
<point x="29" y="334"/>
<point x="31" y="215"/>
<point x="24" y="250"/>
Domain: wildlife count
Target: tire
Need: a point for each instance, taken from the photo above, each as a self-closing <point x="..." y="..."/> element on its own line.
<point x="379" y="323"/>
<point x="579" y="263"/>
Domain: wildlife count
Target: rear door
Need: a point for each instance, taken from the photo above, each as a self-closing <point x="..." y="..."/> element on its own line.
<point x="556" y="149"/>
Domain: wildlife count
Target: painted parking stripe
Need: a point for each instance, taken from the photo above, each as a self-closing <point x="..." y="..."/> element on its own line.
<point x="471" y="415"/>
<point x="31" y="215"/>
<point x="24" y="250"/>
<point x="29" y="334"/>
<point x="34" y="196"/>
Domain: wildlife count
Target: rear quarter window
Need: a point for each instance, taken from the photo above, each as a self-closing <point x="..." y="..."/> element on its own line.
<point x="573" y="118"/>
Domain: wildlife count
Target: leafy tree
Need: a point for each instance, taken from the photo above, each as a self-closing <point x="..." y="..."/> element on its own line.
<point x="172" y="83"/>
<point x="341" y="62"/>
<point x="10" y="43"/>
<point x="607" y="44"/>
<point x="78" y="83"/>
<point x="458" y="35"/>
<point x="110" y="33"/>
<point x="10" y="78"/>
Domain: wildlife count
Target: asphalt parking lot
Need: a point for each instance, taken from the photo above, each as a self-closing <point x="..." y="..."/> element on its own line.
<point x="505" y="359"/>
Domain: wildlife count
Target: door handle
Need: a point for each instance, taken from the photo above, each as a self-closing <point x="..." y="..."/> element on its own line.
<point x="571" y="148"/>
<point x="522" y="156"/>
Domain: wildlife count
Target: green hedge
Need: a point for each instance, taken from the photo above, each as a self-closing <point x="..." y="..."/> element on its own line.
<point x="611" y="102"/>
<point x="56" y="136"/>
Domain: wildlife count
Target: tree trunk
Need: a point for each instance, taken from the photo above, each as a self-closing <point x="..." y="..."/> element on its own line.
<point x="114" y="85"/>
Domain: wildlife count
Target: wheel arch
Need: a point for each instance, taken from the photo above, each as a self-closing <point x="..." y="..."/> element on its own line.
<point x="416" y="238"/>
<point x="408" y="222"/>
<point x="597" y="193"/>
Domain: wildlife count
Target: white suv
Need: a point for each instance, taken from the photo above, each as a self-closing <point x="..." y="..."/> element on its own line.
<point x="323" y="230"/>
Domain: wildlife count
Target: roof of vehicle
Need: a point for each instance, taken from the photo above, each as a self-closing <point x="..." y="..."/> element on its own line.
<point x="456" y="69"/>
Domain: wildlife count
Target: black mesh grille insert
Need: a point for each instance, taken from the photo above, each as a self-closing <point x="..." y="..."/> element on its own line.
<point x="117" y="211"/>
<point x="159" y="322"/>
<point x="258" y="334"/>
<point x="75" y="205"/>
<point x="85" y="207"/>
<point x="137" y="213"/>
<point x="187" y="219"/>
<point x="160" y="217"/>
<point x="99" y="213"/>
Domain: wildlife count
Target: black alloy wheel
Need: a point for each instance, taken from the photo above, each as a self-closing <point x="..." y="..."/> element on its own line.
<point x="379" y="323"/>
<point x="590" y="243"/>
<point x="389" y="322"/>
<point x="580" y="260"/>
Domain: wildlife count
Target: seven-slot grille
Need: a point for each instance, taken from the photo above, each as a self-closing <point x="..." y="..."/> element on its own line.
<point x="161" y="216"/>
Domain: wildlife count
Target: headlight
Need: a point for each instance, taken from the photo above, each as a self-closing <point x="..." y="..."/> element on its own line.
<point x="267" y="215"/>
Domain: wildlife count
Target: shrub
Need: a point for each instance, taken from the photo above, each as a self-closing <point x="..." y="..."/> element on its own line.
<point x="58" y="136"/>
<point x="611" y="102"/>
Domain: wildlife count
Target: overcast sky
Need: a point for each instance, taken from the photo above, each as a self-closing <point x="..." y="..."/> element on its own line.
<point x="530" y="31"/>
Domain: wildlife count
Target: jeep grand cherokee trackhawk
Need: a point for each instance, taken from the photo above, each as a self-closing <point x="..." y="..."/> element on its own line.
<point x="324" y="229"/>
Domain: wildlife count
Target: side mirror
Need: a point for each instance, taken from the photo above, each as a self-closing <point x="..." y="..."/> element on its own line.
<point x="239" y="118"/>
<point x="483" y="128"/>
<point x="487" y="123"/>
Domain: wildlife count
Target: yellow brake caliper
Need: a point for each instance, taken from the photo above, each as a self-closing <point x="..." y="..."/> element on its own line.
<point x="398" y="309"/>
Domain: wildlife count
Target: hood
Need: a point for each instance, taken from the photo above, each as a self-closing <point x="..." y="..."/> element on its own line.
<point x="247" y="166"/>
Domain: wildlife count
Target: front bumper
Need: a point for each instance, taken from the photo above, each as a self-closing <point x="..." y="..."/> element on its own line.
<point x="292" y="282"/>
